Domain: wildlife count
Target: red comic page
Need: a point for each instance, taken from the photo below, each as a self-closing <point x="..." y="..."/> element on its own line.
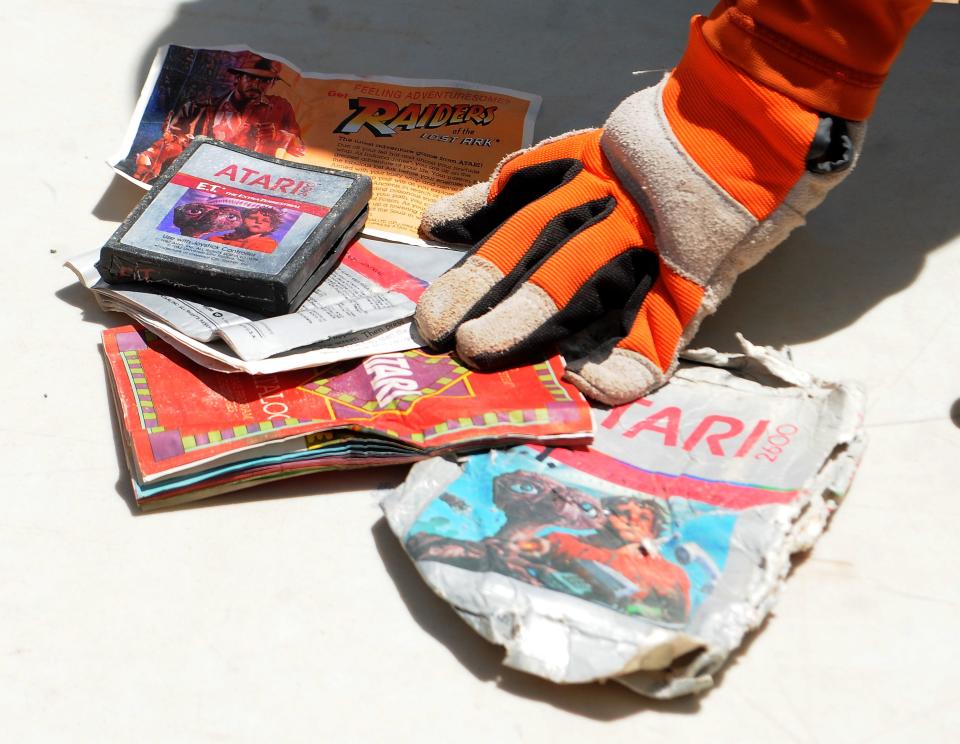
<point x="176" y="414"/>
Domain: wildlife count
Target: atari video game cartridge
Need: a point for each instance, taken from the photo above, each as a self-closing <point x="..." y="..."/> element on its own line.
<point x="244" y="228"/>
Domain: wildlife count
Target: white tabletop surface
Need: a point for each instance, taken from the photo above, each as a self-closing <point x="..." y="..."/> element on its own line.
<point x="291" y="613"/>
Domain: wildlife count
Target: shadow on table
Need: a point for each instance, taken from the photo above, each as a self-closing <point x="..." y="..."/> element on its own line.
<point x="118" y="200"/>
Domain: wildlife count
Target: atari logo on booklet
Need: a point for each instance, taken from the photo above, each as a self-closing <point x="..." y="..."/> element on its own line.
<point x="244" y="228"/>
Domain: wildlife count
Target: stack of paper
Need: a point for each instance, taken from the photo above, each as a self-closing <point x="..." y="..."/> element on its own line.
<point x="364" y="307"/>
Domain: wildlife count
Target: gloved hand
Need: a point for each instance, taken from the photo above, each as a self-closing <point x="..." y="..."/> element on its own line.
<point x="613" y="244"/>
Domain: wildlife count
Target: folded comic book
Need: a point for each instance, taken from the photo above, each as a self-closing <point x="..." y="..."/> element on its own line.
<point x="647" y="556"/>
<point x="190" y="432"/>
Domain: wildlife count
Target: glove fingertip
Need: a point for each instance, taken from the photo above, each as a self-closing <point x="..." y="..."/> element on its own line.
<point x="434" y="323"/>
<point x="448" y="300"/>
<point x="503" y="335"/>
<point x="620" y="378"/>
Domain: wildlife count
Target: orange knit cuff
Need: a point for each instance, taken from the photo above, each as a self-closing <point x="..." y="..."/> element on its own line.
<point x="779" y="62"/>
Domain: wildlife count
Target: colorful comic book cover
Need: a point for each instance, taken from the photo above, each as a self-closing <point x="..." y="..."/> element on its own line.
<point x="647" y="555"/>
<point x="417" y="139"/>
<point x="178" y="416"/>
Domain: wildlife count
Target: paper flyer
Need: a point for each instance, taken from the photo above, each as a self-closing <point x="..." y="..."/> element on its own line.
<point x="418" y="140"/>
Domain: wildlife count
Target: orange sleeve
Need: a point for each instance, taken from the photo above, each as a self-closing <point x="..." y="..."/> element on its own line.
<point x="751" y="139"/>
<point x="830" y="55"/>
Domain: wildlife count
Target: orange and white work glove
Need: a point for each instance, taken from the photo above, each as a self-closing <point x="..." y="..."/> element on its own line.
<point x="613" y="244"/>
